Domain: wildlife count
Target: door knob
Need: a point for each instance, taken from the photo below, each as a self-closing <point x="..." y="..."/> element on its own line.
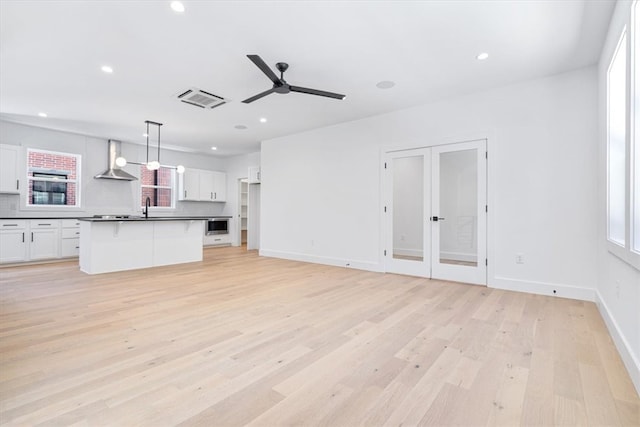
<point x="436" y="219"/>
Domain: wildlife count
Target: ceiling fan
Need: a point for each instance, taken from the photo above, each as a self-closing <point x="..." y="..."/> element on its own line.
<point x="280" y="85"/>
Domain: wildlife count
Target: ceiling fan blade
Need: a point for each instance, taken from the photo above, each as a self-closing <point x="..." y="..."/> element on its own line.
<point x="316" y="92"/>
<point x="260" y="95"/>
<point x="264" y="68"/>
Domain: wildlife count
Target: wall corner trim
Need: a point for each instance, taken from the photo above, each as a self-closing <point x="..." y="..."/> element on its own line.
<point x="629" y="359"/>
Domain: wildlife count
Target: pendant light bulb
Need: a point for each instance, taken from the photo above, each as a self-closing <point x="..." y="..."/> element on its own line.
<point x="180" y="169"/>
<point x="153" y="165"/>
<point x="121" y="162"/>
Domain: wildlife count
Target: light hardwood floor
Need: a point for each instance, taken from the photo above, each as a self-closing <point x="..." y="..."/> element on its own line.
<point x="239" y="339"/>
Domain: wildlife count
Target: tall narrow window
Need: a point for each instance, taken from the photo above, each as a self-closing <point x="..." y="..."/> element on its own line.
<point x="53" y="178"/>
<point x="157" y="185"/>
<point x="635" y="120"/>
<point x="616" y="130"/>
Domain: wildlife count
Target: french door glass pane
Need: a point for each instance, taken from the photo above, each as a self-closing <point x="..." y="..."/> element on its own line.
<point x="458" y="213"/>
<point x="616" y="128"/>
<point x="408" y="208"/>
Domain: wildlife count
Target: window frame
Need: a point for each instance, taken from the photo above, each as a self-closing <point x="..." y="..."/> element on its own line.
<point x="31" y="179"/>
<point x="626" y="252"/>
<point x="171" y="188"/>
<point x="620" y="49"/>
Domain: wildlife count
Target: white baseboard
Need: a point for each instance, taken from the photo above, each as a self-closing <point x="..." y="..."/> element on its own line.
<point x="629" y="359"/>
<point x="542" y="288"/>
<point x="317" y="259"/>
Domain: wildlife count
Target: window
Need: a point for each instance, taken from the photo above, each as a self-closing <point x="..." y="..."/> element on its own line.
<point x="616" y="130"/>
<point x="157" y="185"/>
<point x="623" y="147"/>
<point x="53" y="179"/>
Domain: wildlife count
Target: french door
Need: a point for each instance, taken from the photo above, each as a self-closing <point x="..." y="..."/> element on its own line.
<point x="436" y="212"/>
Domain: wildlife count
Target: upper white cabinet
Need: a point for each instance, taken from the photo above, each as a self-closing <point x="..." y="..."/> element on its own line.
<point x="9" y="160"/>
<point x="202" y="186"/>
<point x="254" y="175"/>
<point x="219" y="186"/>
<point x="189" y="185"/>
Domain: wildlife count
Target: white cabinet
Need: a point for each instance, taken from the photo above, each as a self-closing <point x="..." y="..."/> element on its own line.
<point x="217" y="239"/>
<point x="127" y="245"/>
<point x="219" y="187"/>
<point x="9" y="161"/>
<point x="13" y="241"/>
<point x="189" y="185"/>
<point x="70" y="238"/>
<point x="254" y="175"/>
<point x="202" y="186"/>
<point x="45" y="239"/>
<point x="38" y="239"/>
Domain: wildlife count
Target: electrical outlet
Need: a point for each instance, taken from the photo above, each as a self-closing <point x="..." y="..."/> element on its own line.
<point x="402" y="237"/>
<point x="519" y="258"/>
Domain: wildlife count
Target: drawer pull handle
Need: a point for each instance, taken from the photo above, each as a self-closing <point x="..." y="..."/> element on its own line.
<point x="9" y="225"/>
<point x="44" y="224"/>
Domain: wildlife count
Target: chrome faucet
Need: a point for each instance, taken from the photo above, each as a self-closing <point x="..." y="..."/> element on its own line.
<point x="147" y="204"/>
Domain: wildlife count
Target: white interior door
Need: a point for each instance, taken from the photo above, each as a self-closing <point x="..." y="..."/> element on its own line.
<point x="458" y="212"/>
<point x="407" y="187"/>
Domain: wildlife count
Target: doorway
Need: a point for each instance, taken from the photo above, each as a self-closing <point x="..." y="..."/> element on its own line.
<point x="248" y="228"/>
<point x="436" y="212"/>
<point x="243" y="202"/>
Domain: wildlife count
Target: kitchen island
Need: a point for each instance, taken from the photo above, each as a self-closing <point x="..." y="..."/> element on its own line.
<point x="116" y="244"/>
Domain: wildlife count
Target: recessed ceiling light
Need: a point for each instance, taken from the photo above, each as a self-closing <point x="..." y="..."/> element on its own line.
<point x="482" y="56"/>
<point x="263" y="120"/>
<point x="107" y="69"/>
<point x="385" y="84"/>
<point x="240" y="127"/>
<point x="177" y="6"/>
<point x="42" y="114"/>
<point x="214" y="148"/>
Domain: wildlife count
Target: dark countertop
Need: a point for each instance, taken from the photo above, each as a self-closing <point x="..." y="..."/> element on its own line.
<point x="151" y="218"/>
<point x="129" y="218"/>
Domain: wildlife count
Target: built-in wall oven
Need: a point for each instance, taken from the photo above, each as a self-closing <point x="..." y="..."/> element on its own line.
<point x="216" y="226"/>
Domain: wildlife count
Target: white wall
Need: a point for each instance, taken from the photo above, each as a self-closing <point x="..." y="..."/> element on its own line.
<point x="321" y="198"/>
<point x="618" y="282"/>
<point x="100" y="196"/>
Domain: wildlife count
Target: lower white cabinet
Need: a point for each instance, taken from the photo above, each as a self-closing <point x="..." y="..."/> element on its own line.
<point x="13" y="241"/>
<point x="70" y="238"/>
<point x="217" y="239"/>
<point x="38" y="239"/>
<point x="44" y="244"/>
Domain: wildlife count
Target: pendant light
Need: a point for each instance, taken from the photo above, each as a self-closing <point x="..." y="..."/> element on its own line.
<point x="150" y="164"/>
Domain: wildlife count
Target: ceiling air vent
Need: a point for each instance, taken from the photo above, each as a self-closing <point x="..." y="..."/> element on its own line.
<point x="201" y="99"/>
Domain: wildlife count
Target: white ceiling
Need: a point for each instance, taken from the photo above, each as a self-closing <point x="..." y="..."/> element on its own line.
<point x="51" y="53"/>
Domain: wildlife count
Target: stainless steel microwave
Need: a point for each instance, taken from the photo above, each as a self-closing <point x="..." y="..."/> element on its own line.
<point x="217" y="226"/>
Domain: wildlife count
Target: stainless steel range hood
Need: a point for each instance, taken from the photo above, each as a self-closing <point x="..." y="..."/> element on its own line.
<point x="114" y="172"/>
